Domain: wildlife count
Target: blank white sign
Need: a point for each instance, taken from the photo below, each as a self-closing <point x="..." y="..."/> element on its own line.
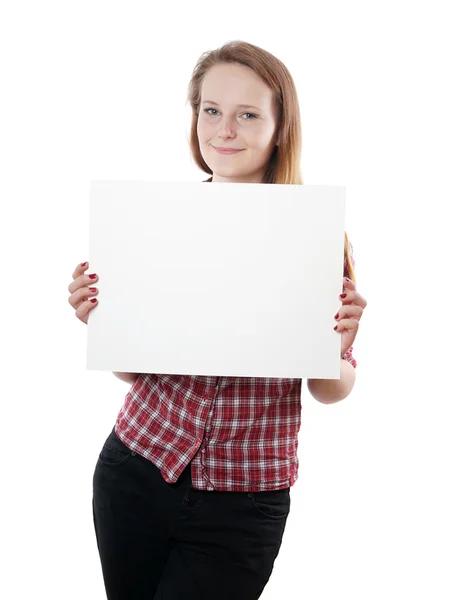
<point x="216" y="279"/>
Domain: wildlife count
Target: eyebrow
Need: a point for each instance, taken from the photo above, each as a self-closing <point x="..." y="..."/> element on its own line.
<point x="240" y="105"/>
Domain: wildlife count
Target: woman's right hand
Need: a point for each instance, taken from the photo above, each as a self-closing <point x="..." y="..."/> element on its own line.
<point x="81" y="291"/>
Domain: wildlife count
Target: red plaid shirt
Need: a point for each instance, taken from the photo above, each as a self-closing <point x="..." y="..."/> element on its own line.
<point x="241" y="433"/>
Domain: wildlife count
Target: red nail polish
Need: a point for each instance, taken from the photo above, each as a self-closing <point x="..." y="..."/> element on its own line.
<point x="343" y="296"/>
<point x="335" y="327"/>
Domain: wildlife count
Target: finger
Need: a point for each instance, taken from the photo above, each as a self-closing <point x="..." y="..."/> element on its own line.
<point x="79" y="272"/>
<point x="82" y="288"/>
<point x="84" y="308"/>
<point x="81" y="295"/>
<point x="350" y="286"/>
<point x="348" y="324"/>
<point x="80" y="269"/>
<point x="356" y="298"/>
<point x="349" y="283"/>
<point x="83" y="281"/>
<point x="353" y="297"/>
<point x="350" y="311"/>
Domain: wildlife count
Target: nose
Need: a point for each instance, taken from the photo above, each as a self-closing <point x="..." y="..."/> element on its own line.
<point x="227" y="128"/>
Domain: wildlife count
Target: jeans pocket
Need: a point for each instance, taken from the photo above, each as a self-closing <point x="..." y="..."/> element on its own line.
<point x="114" y="452"/>
<point x="272" y="504"/>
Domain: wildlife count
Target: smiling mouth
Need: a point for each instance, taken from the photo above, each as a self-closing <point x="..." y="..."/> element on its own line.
<point x="227" y="151"/>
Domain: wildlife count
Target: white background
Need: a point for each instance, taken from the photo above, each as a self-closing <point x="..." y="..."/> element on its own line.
<point x="96" y="90"/>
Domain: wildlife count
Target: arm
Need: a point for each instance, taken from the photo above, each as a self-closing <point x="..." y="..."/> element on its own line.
<point x="127" y="377"/>
<point x="328" y="391"/>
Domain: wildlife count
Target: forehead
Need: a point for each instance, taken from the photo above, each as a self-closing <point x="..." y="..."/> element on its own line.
<point x="235" y="84"/>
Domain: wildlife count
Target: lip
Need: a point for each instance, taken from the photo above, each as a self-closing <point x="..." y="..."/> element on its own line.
<point x="227" y="150"/>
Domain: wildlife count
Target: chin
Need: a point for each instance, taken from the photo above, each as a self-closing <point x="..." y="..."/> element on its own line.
<point x="227" y="173"/>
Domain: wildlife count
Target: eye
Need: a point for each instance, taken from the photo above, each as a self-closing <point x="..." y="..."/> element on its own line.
<point x="253" y="116"/>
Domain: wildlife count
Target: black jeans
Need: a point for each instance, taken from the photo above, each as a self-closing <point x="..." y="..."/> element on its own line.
<point x="161" y="541"/>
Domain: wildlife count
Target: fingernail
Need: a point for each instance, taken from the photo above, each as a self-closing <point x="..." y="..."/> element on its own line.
<point x="343" y="296"/>
<point x="93" y="300"/>
<point x="82" y="264"/>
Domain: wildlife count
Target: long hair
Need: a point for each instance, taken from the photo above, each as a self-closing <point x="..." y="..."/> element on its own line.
<point x="284" y="163"/>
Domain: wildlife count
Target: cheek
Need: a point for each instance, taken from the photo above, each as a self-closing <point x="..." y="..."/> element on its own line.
<point x="267" y="136"/>
<point x="203" y="130"/>
<point x="260" y="146"/>
<point x="199" y="131"/>
<point x="259" y="138"/>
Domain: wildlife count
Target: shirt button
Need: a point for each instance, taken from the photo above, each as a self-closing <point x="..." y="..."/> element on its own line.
<point x="203" y="450"/>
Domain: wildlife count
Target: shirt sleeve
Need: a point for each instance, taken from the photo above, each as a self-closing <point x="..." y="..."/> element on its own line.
<point x="348" y="356"/>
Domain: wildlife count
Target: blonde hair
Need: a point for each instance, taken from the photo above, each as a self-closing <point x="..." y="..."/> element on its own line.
<point x="284" y="163"/>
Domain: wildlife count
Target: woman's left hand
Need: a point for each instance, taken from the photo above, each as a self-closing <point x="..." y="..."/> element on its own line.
<point x="349" y="314"/>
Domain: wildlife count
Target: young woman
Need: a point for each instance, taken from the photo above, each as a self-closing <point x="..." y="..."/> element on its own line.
<point x="191" y="491"/>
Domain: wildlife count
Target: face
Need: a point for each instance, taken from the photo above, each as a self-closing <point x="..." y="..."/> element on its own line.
<point x="223" y="123"/>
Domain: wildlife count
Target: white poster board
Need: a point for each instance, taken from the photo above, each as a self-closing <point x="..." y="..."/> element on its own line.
<point x="216" y="279"/>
